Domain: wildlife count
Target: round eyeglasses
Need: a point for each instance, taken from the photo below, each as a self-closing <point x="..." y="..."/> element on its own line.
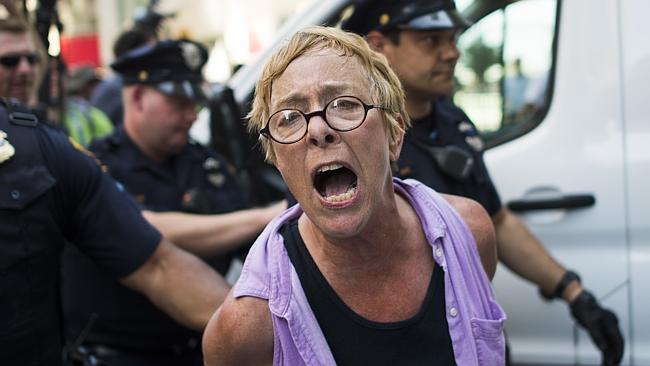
<point x="342" y="114"/>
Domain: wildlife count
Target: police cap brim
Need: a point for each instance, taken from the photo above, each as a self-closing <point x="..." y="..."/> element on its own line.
<point x="386" y="15"/>
<point x="171" y="66"/>
<point x="184" y="89"/>
<point x="441" y="19"/>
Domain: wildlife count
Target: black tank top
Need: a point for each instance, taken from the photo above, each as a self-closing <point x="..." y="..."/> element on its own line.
<point x="421" y="340"/>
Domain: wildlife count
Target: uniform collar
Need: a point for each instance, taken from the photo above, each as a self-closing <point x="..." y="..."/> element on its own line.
<point x="136" y="158"/>
<point x="424" y="128"/>
<point x="132" y="157"/>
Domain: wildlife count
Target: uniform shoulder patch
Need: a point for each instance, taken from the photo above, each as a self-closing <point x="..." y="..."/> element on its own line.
<point x="86" y="152"/>
<point x="6" y="149"/>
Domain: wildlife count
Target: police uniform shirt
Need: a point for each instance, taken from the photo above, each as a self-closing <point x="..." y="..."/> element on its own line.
<point x="51" y="191"/>
<point x="175" y="184"/>
<point x="447" y="125"/>
<point x="195" y="180"/>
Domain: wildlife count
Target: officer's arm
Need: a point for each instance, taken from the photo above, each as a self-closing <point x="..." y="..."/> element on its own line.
<point x="180" y="284"/>
<point x="210" y="235"/>
<point x="482" y="228"/>
<point x="239" y="333"/>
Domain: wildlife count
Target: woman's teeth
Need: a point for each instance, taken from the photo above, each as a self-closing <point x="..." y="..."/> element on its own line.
<point x="343" y="196"/>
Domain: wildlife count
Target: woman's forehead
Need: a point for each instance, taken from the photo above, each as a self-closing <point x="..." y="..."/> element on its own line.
<point x="325" y="73"/>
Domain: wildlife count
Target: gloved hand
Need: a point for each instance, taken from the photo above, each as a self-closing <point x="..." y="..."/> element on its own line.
<point x="602" y="325"/>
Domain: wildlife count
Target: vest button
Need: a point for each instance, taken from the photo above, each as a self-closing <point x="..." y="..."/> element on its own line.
<point x="15" y="194"/>
<point x="453" y="312"/>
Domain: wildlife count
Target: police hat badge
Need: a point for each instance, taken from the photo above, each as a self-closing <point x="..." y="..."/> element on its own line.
<point x="6" y="150"/>
<point x="192" y="55"/>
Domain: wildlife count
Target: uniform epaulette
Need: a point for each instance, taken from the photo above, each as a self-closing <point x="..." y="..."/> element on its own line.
<point x="19" y="114"/>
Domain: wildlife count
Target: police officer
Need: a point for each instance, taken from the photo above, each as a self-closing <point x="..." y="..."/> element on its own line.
<point x="187" y="192"/>
<point x="19" y="61"/>
<point x="444" y="150"/>
<point x="51" y="191"/>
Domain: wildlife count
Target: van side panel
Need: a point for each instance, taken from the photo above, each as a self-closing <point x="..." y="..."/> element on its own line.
<point x="577" y="149"/>
<point x="635" y="29"/>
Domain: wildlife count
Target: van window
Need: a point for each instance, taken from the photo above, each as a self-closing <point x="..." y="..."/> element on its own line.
<point x="503" y="81"/>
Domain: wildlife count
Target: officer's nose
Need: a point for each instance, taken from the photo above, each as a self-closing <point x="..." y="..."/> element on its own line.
<point x="449" y="51"/>
<point x="192" y="111"/>
<point x="188" y="109"/>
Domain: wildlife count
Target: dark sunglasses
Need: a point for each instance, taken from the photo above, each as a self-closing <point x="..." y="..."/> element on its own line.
<point x="12" y="61"/>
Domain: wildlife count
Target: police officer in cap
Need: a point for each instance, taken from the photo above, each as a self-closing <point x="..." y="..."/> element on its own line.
<point x="187" y="192"/>
<point x="444" y="150"/>
<point x="51" y="192"/>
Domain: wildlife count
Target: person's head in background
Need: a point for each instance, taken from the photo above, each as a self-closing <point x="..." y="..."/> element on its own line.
<point x="418" y="37"/>
<point x="19" y="62"/>
<point x="81" y="81"/>
<point x="163" y="89"/>
<point x="130" y="40"/>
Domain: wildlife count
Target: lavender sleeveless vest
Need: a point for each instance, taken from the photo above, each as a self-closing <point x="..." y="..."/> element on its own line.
<point x="476" y="321"/>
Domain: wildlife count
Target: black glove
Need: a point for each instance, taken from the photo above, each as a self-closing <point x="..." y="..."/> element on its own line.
<point x="602" y="326"/>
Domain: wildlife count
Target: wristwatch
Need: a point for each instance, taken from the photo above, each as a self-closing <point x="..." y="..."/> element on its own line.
<point x="568" y="277"/>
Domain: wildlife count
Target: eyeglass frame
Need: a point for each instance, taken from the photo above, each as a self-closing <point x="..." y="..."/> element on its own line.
<point x="266" y="132"/>
<point x="13" y="60"/>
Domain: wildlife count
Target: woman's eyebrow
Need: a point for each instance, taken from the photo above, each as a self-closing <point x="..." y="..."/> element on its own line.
<point x="326" y="93"/>
<point x="293" y="99"/>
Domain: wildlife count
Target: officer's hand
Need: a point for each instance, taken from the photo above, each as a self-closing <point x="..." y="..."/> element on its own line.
<point x="602" y="326"/>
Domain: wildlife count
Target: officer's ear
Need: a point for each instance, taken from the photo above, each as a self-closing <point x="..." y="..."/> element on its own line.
<point x="377" y="41"/>
<point x="135" y="95"/>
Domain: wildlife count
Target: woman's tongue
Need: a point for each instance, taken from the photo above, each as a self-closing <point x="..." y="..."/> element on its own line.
<point x="338" y="186"/>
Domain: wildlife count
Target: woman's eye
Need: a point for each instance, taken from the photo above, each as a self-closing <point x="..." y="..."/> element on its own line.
<point x="290" y="118"/>
<point x="343" y="104"/>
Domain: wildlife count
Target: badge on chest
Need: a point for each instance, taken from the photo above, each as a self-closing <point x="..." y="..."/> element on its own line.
<point x="6" y="149"/>
<point x="213" y="172"/>
<point x="472" y="138"/>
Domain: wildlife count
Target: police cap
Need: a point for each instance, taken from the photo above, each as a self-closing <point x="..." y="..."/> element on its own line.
<point x="384" y="15"/>
<point x="171" y="66"/>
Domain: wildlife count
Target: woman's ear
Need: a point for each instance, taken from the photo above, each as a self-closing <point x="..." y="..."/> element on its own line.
<point x="396" y="141"/>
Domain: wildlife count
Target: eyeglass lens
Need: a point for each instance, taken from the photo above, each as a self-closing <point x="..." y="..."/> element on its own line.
<point x="14" y="60"/>
<point x="341" y="114"/>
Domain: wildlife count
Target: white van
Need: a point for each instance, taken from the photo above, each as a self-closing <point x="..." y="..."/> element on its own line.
<point x="560" y="90"/>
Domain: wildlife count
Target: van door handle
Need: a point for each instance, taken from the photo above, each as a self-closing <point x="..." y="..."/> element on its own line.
<point x="567" y="202"/>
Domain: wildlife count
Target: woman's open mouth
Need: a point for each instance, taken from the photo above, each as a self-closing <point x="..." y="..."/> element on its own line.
<point x="335" y="183"/>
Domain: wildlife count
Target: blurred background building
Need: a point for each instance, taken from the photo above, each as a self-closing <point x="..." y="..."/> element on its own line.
<point x="235" y="31"/>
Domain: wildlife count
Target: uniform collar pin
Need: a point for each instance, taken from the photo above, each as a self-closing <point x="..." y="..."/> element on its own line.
<point x="6" y="150"/>
<point x="211" y="164"/>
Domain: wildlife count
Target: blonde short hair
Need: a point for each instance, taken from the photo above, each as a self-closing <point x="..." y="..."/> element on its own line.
<point x="386" y="89"/>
